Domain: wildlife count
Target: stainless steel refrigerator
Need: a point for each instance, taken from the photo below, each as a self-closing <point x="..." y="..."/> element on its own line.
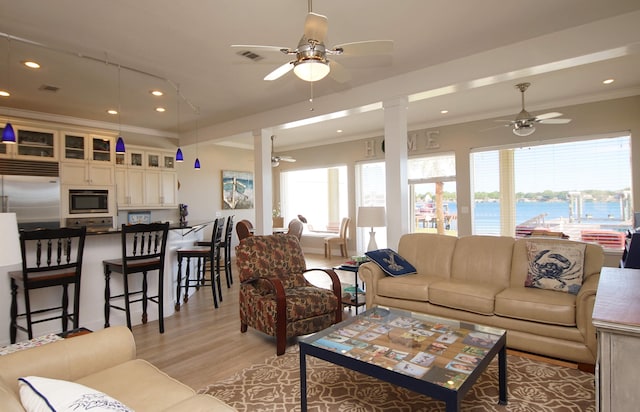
<point x="34" y="199"/>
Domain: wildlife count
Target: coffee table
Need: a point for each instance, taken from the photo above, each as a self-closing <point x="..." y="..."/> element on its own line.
<point x="437" y="357"/>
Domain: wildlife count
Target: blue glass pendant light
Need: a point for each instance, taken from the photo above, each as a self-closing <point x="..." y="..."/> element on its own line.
<point x="179" y="156"/>
<point x="8" y="134"/>
<point x="196" y="165"/>
<point x="120" y="145"/>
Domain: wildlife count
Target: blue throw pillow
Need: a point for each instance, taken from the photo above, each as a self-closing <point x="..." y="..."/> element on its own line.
<point x="391" y="262"/>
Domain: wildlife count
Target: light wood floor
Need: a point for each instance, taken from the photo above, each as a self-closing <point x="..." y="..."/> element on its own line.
<point x="202" y="345"/>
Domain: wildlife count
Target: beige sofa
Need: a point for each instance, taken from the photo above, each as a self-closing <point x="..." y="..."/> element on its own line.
<point x="105" y="361"/>
<point x="480" y="279"/>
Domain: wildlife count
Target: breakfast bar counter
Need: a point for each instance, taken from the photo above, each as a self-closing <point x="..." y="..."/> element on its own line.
<point x="99" y="246"/>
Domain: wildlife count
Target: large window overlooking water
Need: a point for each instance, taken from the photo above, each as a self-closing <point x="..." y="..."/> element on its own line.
<point x="579" y="188"/>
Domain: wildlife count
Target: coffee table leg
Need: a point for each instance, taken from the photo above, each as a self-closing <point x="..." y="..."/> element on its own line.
<point x="303" y="381"/>
<point x="502" y="375"/>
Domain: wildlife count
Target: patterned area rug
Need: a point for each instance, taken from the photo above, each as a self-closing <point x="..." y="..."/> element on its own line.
<point x="275" y="386"/>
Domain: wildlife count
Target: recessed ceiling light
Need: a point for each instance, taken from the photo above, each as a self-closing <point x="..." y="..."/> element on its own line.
<point x="160" y="109"/>
<point x="156" y="93"/>
<point x="339" y="131"/>
<point x="4" y="93"/>
<point x="112" y="111"/>
<point x="31" y="64"/>
<point x="608" y="81"/>
<point x="444" y="111"/>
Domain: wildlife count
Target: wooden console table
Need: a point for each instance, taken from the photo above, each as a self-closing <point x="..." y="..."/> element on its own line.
<point x="616" y="316"/>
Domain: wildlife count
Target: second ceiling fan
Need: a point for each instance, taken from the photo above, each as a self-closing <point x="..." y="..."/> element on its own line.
<point x="276" y="159"/>
<point x="524" y="123"/>
<point x="311" y="62"/>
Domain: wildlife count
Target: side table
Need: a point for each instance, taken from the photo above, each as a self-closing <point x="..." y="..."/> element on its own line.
<point x="353" y="302"/>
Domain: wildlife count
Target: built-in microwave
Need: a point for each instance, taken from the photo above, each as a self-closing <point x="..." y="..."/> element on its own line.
<point x="88" y="201"/>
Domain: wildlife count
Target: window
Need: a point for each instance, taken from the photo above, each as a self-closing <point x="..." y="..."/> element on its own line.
<point x="320" y="195"/>
<point x="432" y="191"/>
<point x="371" y="184"/>
<point x="580" y="188"/>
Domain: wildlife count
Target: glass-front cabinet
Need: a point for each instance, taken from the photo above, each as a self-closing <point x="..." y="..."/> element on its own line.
<point x="31" y="143"/>
<point x="82" y="147"/>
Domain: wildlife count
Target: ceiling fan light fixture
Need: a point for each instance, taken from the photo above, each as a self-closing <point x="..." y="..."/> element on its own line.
<point x="311" y="70"/>
<point x="523" y="130"/>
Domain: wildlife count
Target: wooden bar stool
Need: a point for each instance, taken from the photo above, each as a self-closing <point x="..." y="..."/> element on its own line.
<point x="50" y="257"/>
<point x="203" y="252"/>
<point x="143" y="250"/>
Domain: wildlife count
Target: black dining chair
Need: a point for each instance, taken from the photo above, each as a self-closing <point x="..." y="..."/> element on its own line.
<point x="225" y="246"/>
<point x="50" y="257"/>
<point x="143" y="251"/>
<point x="207" y="254"/>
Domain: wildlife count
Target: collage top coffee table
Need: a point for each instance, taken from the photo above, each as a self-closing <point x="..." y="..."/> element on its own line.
<point x="433" y="356"/>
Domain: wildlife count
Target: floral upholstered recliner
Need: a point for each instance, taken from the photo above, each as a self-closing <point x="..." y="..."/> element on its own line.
<point x="275" y="297"/>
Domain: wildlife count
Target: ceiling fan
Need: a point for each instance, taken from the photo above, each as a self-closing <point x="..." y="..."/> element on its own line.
<point x="311" y="63"/>
<point x="275" y="159"/>
<point x="524" y="123"/>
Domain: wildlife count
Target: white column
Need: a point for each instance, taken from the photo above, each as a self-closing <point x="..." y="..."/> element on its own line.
<point x="397" y="187"/>
<point x="263" y="183"/>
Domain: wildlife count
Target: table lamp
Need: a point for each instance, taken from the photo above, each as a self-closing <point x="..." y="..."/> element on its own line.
<point x="10" y="253"/>
<point x="371" y="216"/>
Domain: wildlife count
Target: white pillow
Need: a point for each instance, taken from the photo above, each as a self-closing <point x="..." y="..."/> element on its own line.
<point x="52" y="395"/>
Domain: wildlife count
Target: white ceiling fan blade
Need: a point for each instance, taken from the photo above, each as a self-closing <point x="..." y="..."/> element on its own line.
<point x="279" y="72"/>
<point x="258" y="47"/>
<point x="287" y="159"/>
<point x="315" y="27"/>
<point x="549" y="115"/>
<point x="554" y="121"/>
<point x="338" y="72"/>
<point x="366" y="48"/>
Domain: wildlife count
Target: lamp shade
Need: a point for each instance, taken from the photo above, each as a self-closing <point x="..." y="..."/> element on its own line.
<point x="8" y="134"/>
<point x="179" y="156"/>
<point x="311" y="70"/>
<point x="371" y="216"/>
<point x="196" y="165"/>
<point x="10" y="253"/>
<point x="120" y="145"/>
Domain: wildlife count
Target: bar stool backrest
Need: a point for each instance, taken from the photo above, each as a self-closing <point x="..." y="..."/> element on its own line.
<point x="144" y="245"/>
<point x="48" y="250"/>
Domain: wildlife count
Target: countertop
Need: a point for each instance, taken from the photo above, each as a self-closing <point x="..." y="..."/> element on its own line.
<point x="190" y="227"/>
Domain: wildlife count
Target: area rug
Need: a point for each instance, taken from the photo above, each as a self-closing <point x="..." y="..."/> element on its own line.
<point x="275" y="386"/>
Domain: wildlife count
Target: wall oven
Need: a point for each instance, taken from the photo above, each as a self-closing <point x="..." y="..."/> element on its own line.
<point x="88" y="201"/>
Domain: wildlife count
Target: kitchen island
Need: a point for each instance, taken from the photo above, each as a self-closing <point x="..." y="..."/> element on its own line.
<point x="99" y="246"/>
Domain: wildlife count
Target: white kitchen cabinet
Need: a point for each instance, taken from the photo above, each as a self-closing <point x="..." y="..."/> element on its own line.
<point x="129" y="188"/>
<point x="146" y="178"/>
<point x="86" y="174"/>
<point x="32" y="144"/>
<point x="78" y="147"/>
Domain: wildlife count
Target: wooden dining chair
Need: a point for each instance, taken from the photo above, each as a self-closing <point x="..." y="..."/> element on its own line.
<point x="143" y="251"/>
<point x="295" y="228"/>
<point x="50" y="258"/>
<point x="340" y="240"/>
<point x="244" y="229"/>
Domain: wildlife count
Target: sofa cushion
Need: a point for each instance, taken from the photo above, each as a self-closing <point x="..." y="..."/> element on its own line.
<point x="537" y="305"/>
<point x="145" y="388"/>
<point x="429" y="253"/>
<point x="391" y="262"/>
<point x="465" y="295"/>
<point x="555" y="266"/>
<point x="483" y="259"/>
<point x="39" y="394"/>
<point x="411" y="287"/>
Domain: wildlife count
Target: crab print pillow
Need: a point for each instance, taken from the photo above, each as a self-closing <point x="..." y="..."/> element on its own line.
<point x="555" y="266"/>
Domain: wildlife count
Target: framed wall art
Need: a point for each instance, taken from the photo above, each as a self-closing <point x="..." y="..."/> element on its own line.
<point x="237" y="190"/>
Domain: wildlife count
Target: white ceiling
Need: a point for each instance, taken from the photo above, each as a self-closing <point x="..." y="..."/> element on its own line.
<point x="464" y="56"/>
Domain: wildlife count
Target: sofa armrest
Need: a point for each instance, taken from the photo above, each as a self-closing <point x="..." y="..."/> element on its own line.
<point x="370" y="273"/>
<point x="70" y="359"/>
<point x="585" y="300"/>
